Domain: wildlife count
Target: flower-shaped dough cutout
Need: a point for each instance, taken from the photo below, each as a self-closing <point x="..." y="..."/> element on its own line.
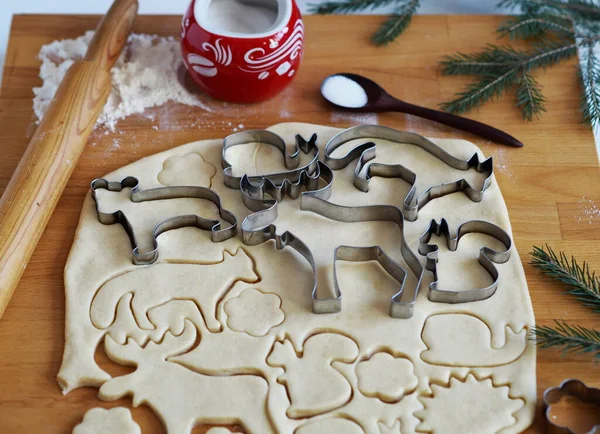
<point x="386" y="377"/>
<point x="189" y="169"/>
<point x="254" y="312"/>
<point x="101" y="421"/>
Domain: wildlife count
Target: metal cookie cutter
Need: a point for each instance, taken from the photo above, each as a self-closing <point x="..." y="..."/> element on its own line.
<point x="291" y="161"/>
<point x="576" y="389"/>
<point x="258" y="227"/>
<point x="218" y="233"/>
<point x="365" y="152"/>
<point x="398" y="308"/>
<point x="487" y="258"/>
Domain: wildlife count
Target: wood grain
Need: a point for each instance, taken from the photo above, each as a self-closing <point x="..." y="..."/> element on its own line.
<point x="54" y="149"/>
<point x="550" y="186"/>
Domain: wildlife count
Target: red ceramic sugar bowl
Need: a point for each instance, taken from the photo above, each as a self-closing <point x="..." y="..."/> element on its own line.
<point x="242" y="50"/>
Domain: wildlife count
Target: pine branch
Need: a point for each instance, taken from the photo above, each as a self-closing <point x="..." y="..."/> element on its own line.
<point x="576" y="9"/>
<point x="571" y="338"/>
<point x="345" y="6"/>
<point x="396" y="23"/>
<point x="502" y="67"/>
<point x="529" y="97"/>
<point x="532" y="25"/>
<point x="579" y="280"/>
<point x="487" y="88"/>
<point x="589" y="75"/>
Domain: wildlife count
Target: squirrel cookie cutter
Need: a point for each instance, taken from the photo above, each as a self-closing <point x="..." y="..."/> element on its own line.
<point x="577" y="389"/>
<point x="365" y="152"/>
<point x="218" y="233"/>
<point x="291" y="160"/>
<point x="487" y="258"/>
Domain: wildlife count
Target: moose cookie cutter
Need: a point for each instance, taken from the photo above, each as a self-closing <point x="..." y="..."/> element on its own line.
<point x="218" y="233"/>
<point x="487" y="258"/>
<point x="365" y="152"/>
<point x="577" y="389"/>
<point x="399" y="306"/>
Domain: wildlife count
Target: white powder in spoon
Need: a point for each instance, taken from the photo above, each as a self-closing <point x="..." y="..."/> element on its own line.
<point x="144" y="76"/>
<point x="344" y="92"/>
<point x="235" y="16"/>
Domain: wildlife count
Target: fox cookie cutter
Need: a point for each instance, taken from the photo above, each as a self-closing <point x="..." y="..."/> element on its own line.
<point x="365" y="152"/>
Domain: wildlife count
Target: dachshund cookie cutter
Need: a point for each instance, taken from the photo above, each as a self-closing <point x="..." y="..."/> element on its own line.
<point x="218" y="233"/>
<point x="365" y="152"/>
<point x="487" y="258"/>
<point x="576" y="389"/>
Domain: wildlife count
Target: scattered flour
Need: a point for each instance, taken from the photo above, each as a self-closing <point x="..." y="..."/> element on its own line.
<point x="354" y="118"/>
<point x="344" y="92"/>
<point x="144" y="76"/>
<point x="589" y="211"/>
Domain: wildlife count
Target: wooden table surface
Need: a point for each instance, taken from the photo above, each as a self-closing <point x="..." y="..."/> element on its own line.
<point x="551" y="186"/>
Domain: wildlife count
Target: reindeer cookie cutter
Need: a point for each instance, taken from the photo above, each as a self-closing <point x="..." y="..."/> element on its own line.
<point x="291" y="160"/>
<point x="218" y="233"/>
<point x="487" y="258"/>
<point x="364" y="171"/>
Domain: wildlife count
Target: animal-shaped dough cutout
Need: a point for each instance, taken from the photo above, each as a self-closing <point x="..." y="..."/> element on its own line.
<point x="457" y="339"/>
<point x="205" y="284"/>
<point x="200" y="399"/>
<point x="188" y="169"/>
<point x="469" y="406"/>
<point x="330" y="426"/>
<point x="101" y="421"/>
<point x="386" y="377"/>
<point x="313" y="384"/>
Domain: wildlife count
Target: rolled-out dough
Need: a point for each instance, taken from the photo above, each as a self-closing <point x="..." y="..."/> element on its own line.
<point x="491" y="381"/>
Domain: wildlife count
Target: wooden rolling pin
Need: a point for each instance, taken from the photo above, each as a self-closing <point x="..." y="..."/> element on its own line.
<point x="41" y="176"/>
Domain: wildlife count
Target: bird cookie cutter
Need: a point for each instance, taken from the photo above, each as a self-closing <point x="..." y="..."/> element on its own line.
<point x="218" y="233"/>
<point x="365" y="152"/>
<point x="291" y="160"/>
<point x="577" y="389"/>
<point x="487" y="258"/>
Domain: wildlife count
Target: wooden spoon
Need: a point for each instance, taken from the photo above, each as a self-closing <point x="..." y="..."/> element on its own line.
<point x="378" y="100"/>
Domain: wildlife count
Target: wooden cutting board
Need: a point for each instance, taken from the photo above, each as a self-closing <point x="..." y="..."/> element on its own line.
<point x="551" y="186"/>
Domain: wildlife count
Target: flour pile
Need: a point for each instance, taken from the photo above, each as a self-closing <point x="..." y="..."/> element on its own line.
<point x="144" y="76"/>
